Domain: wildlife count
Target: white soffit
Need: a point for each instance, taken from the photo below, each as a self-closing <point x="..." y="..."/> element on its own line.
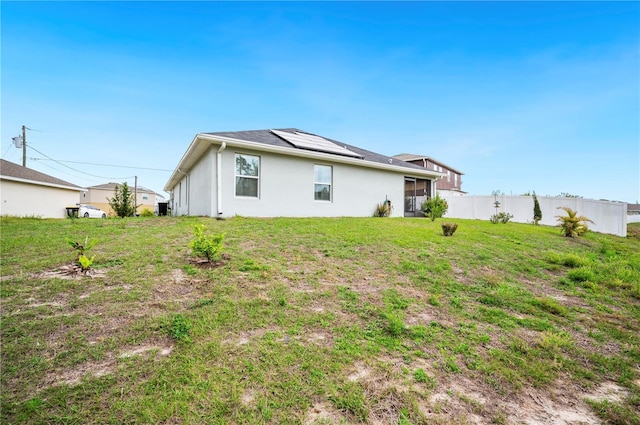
<point x="314" y="143"/>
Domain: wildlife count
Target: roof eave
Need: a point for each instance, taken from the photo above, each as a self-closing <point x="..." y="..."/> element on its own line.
<point x="40" y="183"/>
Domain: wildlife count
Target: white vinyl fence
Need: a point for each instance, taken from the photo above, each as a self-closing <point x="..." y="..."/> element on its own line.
<point x="608" y="217"/>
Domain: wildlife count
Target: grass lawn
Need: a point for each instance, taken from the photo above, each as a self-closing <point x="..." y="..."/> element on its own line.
<point x="319" y="321"/>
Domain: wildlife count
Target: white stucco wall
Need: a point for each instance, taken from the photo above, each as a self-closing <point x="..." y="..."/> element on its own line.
<point x="609" y="217"/>
<point x="25" y="199"/>
<point x="179" y="205"/>
<point x="202" y="185"/>
<point x="287" y="188"/>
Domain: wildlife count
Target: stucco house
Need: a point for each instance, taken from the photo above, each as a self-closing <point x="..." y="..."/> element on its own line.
<point x="290" y="172"/>
<point x="450" y="185"/>
<point x="98" y="197"/>
<point x="27" y="192"/>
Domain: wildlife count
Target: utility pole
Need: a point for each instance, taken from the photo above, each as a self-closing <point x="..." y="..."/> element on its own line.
<point x="24" y="146"/>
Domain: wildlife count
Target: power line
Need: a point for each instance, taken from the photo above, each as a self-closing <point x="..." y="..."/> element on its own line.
<point x="78" y="171"/>
<point x="5" y="152"/>
<point x="73" y="175"/>
<point x="101" y="165"/>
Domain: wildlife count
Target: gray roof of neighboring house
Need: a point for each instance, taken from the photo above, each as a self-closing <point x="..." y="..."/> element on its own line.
<point x="413" y="157"/>
<point x="112" y="186"/>
<point x="12" y="171"/>
<point x="267" y="137"/>
<point x="633" y="207"/>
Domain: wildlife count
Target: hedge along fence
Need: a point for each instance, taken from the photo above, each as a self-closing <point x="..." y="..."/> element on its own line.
<point x="609" y="217"/>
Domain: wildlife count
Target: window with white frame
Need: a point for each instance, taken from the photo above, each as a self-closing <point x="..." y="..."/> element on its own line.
<point x="247" y="175"/>
<point x="145" y="197"/>
<point x="323" y="182"/>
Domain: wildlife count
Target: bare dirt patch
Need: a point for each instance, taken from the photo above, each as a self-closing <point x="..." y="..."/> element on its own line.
<point x="553" y="406"/>
<point x="247" y="398"/>
<point x="324" y="413"/>
<point x="74" y="375"/>
<point x="319" y="338"/>
<point x="71" y="271"/>
<point x="361" y="372"/>
<point x="608" y="391"/>
<point x="205" y="263"/>
<point x="244" y="338"/>
<point x="145" y="350"/>
<point x="95" y="369"/>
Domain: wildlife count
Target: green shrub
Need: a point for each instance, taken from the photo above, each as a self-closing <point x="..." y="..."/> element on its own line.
<point x="206" y="246"/>
<point x="434" y="207"/>
<point x="572" y="260"/>
<point x="572" y="224"/>
<point x="502" y="217"/>
<point x="581" y="274"/>
<point x="147" y="213"/>
<point x="568" y="260"/>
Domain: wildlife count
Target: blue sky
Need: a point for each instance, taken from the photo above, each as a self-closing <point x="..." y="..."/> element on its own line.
<point x="519" y="96"/>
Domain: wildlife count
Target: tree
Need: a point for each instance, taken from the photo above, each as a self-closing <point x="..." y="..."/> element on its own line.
<point x="537" y="212"/>
<point x="123" y="202"/>
<point x="572" y="224"/>
<point x="435" y="207"/>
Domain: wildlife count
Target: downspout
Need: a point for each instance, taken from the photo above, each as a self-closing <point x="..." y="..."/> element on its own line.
<point x="223" y="146"/>
<point x="186" y="189"/>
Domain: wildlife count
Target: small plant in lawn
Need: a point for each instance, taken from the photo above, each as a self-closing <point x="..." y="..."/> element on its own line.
<point x="383" y="209"/>
<point x="180" y="328"/>
<point x="82" y="248"/>
<point x="502" y="217"/>
<point x="85" y="262"/>
<point x="421" y="376"/>
<point x="537" y="212"/>
<point x="395" y="324"/>
<point x="206" y="246"/>
<point x="434" y="207"/>
<point x="572" y="224"/>
<point x="449" y="228"/>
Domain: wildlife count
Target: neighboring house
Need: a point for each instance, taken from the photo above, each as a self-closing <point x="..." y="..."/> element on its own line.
<point x="633" y="213"/>
<point x="288" y="172"/>
<point x="26" y="192"/>
<point x="98" y="197"/>
<point x="450" y="185"/>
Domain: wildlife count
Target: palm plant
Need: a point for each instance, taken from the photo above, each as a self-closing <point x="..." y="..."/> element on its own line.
<point x="572" y="224"/>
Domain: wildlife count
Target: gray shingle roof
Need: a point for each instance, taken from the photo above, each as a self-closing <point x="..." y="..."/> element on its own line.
<point x="9" y="169"/>
<point x="112" y="186"/>
<point x="269" y="138"/>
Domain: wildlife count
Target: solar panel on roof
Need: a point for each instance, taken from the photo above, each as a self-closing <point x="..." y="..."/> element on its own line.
<point x="315" y="143"/>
